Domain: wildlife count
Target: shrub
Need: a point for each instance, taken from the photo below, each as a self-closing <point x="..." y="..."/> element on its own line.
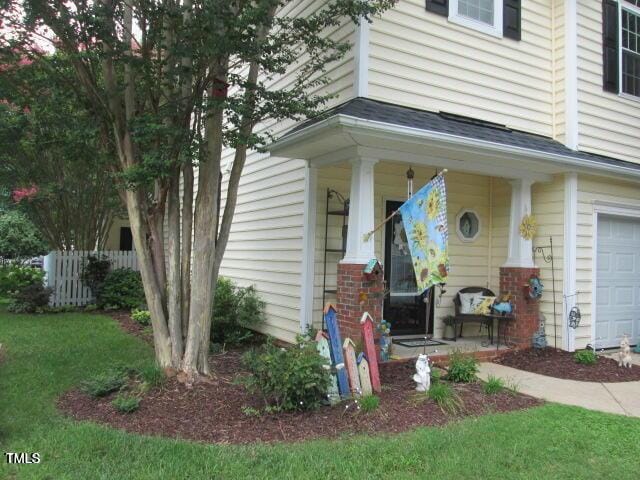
<point x="235" y="310"/>
<point x="586" y="357"/>
<point x="369" y="403"/>
<point x="94" y="273"/>
<point x="126" y="403"/>
<point x="14" y="277"/>
<point x="122" y="288"/>
<point x="493" y="385"/>
<point x="288" y="378"/>
<point x="446" y="398"/>
<point x="105" y="383"/>
<point x="19" y="238"/>
<point x="30" y="298"/>
<point x="153" y="375"/>
<point x="143" y="317"/>
<point x="462" y="368"/>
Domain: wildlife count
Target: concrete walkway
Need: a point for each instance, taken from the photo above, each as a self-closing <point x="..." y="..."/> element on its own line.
<point x="622" y="398"/>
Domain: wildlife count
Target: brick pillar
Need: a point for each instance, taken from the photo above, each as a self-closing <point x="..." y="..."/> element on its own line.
<point x="357" y="293"/>
<point x="513" y="280"/>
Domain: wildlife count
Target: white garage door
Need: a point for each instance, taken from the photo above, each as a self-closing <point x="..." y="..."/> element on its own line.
<point x="618" y="280"/>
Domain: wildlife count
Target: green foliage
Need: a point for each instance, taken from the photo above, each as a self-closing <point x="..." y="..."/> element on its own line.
<point x="235" y="310"/>
<point x="94" y="272"/>
<point x="19" y="238"/>
<point x="369" y="403"/>
<point x="586" y="357"/>
<point x="122" y="289"/>
<point x="54" y="147"/>
<point x="251" y="412"/>
<point x="288" y="378"/>
<point x="493" y="385"/>
<point x="32" y="298"/>
<point x="462" y="367"/>
<point x="446" y="398"/>
<point x="14" y="276"/>
<point x="153" y="375"/>
<point x="126" y="403"/>
<point x="143" y="317"/>
<point x="106" y="382"/>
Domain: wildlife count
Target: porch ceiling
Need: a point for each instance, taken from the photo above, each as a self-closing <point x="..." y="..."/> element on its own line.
<point x="366" y="128"/>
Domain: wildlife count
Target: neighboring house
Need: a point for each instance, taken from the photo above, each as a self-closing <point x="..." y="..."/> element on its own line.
<point x="119" y="237"/>
<point x="533" y="107"/>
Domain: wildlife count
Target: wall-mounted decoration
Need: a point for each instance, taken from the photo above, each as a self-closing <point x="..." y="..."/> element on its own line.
<point x="535" y="287"/>
<point x="574" y="317"/>
<point x="528" y="227"/>
<point x="467" y="225"/>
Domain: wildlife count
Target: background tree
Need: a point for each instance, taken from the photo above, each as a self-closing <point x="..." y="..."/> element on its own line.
<point x="197" y="77"/>
<point x="19" y="238"/>
<point x="55" y="160"/>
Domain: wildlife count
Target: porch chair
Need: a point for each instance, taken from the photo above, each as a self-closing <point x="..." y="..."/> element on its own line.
<point x="462" y="318"/>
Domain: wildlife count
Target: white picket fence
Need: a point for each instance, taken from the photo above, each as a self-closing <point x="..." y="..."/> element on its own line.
<point x="63" y="271"/>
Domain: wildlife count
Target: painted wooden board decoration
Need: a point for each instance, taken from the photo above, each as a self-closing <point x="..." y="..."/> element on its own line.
<point x="366" y="322"/>
<point x="322" y="342"/>
<point x="365" y="375"/>
<point x="335" y="342"/>
<point x="349" y="349"/>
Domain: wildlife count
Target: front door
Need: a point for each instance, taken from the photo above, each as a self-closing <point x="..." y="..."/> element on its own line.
<point x="403" y="308"/>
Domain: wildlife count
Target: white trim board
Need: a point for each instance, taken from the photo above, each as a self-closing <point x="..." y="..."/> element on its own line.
<point x="307" y="270"/>
<point x="569" y="257"/>
<point x="604" y="208"/>
<point x="361" y="60"/>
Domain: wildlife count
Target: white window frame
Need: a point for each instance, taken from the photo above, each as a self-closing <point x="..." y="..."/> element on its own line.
<point x="494" y="30"/>
<point x="623" y="5"/>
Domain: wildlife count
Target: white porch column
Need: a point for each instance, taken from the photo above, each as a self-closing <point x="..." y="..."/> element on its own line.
<point x="361" y="212"/>
<point x="520" y="250"/>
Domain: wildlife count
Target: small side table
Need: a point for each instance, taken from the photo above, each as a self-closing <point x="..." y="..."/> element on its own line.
<point x="502" y="319"/>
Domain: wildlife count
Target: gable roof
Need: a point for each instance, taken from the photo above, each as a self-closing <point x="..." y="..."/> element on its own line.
<point x="457" y="125"/>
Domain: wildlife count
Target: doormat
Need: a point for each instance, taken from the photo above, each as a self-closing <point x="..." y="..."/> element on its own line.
<point x="418" y="342"/>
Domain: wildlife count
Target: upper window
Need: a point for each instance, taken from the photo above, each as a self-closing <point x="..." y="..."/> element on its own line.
<point x="482" y="15"/>
<point x="630" y="52"/>
<point x="621" y="47"/>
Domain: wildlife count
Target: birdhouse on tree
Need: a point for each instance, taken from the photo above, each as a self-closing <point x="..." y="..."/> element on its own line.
<point x="373" y="268"/>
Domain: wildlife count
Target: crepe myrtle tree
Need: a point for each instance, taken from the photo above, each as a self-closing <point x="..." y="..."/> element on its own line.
<point x="177" y="83"/>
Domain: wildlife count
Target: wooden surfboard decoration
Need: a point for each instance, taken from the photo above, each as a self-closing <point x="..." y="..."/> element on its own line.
<point x="366" y="322"/>
<point x="335" y="343"/>
<point x="322" y="342"/>
<point x="365" y="375"/>
<point x="349" y="349"/>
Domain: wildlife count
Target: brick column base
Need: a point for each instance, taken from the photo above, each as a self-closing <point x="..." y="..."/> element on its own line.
<point x="513" y="280"/>
<point x="357" y="293"/>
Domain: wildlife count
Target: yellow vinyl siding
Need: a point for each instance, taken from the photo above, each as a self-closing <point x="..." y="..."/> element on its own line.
<point x="469" y="261"/>
<point x="422" y="60"/>
<point x="548" y="209"/>
<point x="608" y="123"/>
<point x="592" y="190"/>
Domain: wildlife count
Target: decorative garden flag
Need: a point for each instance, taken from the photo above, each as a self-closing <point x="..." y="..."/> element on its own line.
<point x="425" y="222"/>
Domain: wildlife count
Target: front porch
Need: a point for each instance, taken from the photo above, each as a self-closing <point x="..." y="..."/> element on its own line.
<point x="495" y="177"/>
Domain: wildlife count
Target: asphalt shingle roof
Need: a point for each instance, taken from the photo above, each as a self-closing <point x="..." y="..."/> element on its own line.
<point x="447" y="123"/>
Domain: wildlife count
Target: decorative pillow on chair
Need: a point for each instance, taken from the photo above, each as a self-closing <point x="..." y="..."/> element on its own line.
<point x="466" y="302"/>
<point x="482" y="305"/>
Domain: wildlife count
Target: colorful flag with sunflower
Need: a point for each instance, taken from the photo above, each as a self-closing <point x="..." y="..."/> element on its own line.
<point x="425" y="222"/>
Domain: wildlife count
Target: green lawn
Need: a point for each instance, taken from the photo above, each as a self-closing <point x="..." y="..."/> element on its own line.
<point x="49" y="354"/>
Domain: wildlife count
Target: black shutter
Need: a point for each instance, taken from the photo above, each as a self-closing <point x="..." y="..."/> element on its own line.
<point x="441" y="7"/>
<point x="126" y="239"/>
<point x="511" y="19"/>
<point x="610" y="46"/>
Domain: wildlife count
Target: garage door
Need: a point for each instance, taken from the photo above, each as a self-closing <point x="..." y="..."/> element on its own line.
<point x="618" y="280"/>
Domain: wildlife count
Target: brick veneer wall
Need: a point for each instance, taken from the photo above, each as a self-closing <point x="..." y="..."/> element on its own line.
<point x="357" y="293"/>
<point x="513" y="280"/>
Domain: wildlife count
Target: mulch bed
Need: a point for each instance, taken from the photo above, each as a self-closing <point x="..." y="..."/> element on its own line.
<point x="123" y="317"/>
<point x="561" y="364"/>
<point x="213" y="411"/>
